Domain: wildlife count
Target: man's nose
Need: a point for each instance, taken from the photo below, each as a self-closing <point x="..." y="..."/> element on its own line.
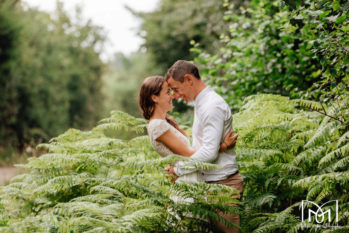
<point x="176" y="96"/>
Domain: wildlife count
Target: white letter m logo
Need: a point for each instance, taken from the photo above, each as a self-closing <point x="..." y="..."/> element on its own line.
<point x="319" y="214"/>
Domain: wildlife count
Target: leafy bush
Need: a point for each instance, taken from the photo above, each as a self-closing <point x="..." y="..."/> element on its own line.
<point x="297" y="49"/>
<point x="287" y="155"/>
<point x="282" y="47"/>
<point x="91" y="182"/>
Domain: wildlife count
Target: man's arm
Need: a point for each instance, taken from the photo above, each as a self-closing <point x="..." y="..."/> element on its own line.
<point x="213" y="126"/>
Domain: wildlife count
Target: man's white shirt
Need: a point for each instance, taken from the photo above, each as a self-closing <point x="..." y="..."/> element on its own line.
<point x="212" y="121"/>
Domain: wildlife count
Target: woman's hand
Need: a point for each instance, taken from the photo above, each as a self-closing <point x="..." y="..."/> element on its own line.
<point x="171" y="173"/>
<point x="229" y="141"/>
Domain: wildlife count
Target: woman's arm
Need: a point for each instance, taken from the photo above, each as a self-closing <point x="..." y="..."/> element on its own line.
<point x="177" y="146"/>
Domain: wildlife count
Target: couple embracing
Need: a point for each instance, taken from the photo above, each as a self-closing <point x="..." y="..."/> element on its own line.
<point x="212" y="129"/>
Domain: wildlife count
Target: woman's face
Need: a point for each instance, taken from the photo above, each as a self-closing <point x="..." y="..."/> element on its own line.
<point x="164" y="100"/>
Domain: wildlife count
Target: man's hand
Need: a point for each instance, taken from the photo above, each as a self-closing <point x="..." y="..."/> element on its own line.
<point x="171" y="173"/>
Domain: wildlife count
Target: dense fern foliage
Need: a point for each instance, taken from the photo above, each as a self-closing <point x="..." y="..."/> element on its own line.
<point x="95" y="182"/>
<point x="288" y="155"/>
<point x="288" y="151"/>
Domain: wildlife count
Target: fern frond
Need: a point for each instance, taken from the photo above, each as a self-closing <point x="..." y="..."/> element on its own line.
<point x="84" y="224"/>
<point x="310" y="156"/>
<point x="243" y="166"/>
<point x="326" y="191"/>
<point x="305" y="135"/>
<point x="321" y="134"/>
<point x="74" y="135"/>
<point x="311" y="105"/>
<point x="142" y="142"/>
<point x="202" y="192"/>
<point x="156" y="164"/>
<point x="339" y="229"/>
<point x="102" y="199"/>
<point x="88" y="209"/>
<point x="91" y="145"/>
<point x="183" y="162"/>
<point x="122" y="121"/>
<point x="100" y="189"/>
<point x="139" y="219"/>
<point x="251" y="153"/>
<point x="120" y="126"/>
<point x="341" y="152"/>
<point x="261" y="200"/>
<point x="343" y="138"/>
<point x="341" y="164"/>
<point x="337" y="177"/>
<point x="54" y="187"/>
<point x="304" y="226"/>
<point x="286" y="167"/>
<point x="314" y="191"/>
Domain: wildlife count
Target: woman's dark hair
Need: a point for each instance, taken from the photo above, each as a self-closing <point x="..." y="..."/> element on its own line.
<point x="153" y="86"/>
<point x="150" y="86"/>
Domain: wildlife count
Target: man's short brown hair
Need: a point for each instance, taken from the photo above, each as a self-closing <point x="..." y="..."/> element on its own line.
<point x="181" y="68"/>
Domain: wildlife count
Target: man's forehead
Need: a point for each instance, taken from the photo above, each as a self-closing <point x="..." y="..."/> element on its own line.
<point x="172" y="83"/>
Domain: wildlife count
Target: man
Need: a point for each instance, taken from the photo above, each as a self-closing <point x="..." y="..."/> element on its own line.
<point x="212" y="120"/>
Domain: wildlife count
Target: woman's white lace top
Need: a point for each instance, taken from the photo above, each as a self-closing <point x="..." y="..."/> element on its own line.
<point x="156" y="128"/>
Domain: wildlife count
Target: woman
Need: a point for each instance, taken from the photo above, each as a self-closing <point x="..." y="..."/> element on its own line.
<point x="155" y="100"/>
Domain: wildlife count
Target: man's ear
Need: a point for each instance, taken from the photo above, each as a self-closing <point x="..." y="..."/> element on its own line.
<point x="189" y="78"/>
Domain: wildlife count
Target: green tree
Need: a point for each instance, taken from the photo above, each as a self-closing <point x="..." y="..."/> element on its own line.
<point x="123" y="79"/>
<point x="51" y="73"/>
<point x="10" y="38"/>
<point x="272" y="47"/>
<point x="168" y="30"/>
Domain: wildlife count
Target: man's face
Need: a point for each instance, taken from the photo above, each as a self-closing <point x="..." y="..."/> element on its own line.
<point x="181" y="90"/>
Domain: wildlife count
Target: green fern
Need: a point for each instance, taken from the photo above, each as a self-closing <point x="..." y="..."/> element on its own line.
<point x="95" y="182"/>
